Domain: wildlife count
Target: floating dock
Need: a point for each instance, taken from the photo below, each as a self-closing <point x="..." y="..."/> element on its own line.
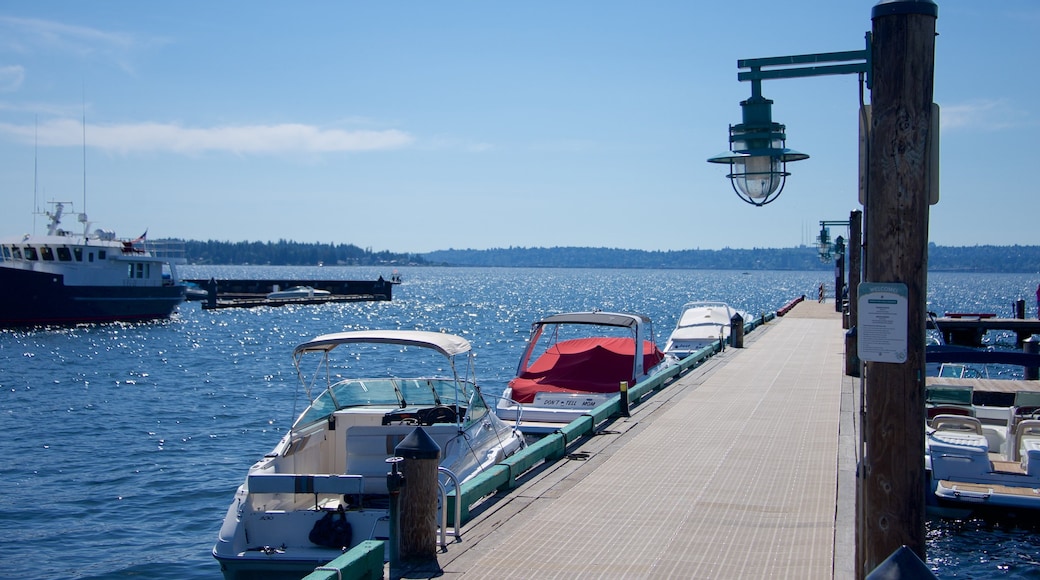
<point x="968" y="329"/>
<point x="250" y="293"/>
<point x="742" y="468"/>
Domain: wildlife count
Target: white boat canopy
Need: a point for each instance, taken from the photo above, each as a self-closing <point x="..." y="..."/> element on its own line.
<point x="597" y="317"/>
<point x="449" y="345"/>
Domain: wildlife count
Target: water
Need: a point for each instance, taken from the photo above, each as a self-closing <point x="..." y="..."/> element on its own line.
<point x="125" y="442"/>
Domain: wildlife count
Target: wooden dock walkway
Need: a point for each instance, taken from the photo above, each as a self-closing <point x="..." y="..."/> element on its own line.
<point x="743" y="468"/>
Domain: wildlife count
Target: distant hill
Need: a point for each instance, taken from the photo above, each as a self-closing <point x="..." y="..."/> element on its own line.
<point x="1005" y="259"/>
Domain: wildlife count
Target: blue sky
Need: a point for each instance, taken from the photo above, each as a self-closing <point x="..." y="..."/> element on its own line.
<point x="418" y="126"/>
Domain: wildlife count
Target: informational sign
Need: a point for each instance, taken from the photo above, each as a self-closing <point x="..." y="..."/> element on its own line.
<point x="881" y="332"/>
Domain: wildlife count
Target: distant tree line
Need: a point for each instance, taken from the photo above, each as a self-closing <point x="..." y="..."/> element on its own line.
<point x="1006" y="259"/>
<point x="288" y="253"/>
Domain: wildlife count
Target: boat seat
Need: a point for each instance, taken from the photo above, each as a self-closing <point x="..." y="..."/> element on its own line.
<point x="1031" y="455"/>
<point x="950" y="409"/>
<point x="956" y="423"/>
<point x="1026" y="432"/>
<point x="325" y="483"/>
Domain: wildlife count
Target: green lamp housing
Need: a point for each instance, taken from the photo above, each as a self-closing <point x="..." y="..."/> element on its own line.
<point x="758" y="154"/>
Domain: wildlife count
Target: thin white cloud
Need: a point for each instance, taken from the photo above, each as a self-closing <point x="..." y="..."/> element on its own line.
<point x="987" y="115"/>
<point x="11" y="78"/>
<point x="28" y="35"/>
<point x="240" y="139"/>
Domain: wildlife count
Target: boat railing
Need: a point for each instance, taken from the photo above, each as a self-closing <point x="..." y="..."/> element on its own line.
<point x="171" y="249"/>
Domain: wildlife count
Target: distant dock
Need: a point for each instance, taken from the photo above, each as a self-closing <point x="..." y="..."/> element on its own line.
<point x="251" y="293"/>
<point x="967" y="329"/>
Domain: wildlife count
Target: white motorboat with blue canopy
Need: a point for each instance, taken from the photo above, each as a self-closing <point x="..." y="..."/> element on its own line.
<point x="331" y="465"/>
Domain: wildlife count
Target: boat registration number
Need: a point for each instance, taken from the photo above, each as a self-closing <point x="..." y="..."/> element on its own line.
<point x="566" y="401"/>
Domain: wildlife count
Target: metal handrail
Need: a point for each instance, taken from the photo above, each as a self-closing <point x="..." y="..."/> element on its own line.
<point x="457" y="527"/>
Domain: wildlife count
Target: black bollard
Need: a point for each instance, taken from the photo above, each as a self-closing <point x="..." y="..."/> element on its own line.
<point x="736" y="331"/>
<point x="1031" y="346"/>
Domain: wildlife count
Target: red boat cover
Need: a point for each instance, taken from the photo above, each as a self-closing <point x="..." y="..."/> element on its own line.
<point x="583" y="365"/>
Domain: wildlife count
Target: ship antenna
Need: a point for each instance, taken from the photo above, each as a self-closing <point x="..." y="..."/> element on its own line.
<point x="36" y="171"/>
<point x="84" y="210"/>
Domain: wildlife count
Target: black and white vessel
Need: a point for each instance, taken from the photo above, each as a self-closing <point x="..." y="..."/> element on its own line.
<point x="64" y="277"/>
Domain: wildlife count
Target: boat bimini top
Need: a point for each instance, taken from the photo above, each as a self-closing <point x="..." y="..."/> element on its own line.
<point x="448" y="345"/>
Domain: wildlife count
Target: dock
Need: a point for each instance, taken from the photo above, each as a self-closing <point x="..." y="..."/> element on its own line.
<point x="742" y="468"/>
<point x="969" y="329"/>
<point x="251" y="293"/>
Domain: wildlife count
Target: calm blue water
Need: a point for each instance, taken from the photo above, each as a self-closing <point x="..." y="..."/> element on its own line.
<point x="125" y="443"/>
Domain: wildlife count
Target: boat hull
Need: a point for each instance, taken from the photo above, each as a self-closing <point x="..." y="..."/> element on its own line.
<point x="30" y="298"/>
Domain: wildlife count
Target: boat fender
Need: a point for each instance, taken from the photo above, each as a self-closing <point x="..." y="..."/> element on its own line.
<point x="332" y="530"/>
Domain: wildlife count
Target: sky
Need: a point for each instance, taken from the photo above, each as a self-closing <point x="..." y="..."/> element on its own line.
<point x="419" y="126"/>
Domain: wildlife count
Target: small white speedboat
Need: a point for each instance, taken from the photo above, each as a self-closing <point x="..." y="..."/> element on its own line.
<point x="575" y="362"/>
<point x="983" y="458"/>
<point x="701" y="324"/>
<point x="331" y="465"/>
<point x="297" y="292"/>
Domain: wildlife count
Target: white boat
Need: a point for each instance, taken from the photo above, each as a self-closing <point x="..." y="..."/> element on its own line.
<point x="701" y="324"/>
<point x="576" y="361"/>
<point x="63" y="277"/>
<point x="332" y="462"/>
<point x="297" y="292"/>
<point x="982" y="458"/>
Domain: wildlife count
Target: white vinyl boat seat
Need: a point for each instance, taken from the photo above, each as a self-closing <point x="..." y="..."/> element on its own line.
<point x="1027" y="434"/>
<point x="1030" y="447"/>
<point x="368" y="447"/>
<point x="325" y="483"/>
<point x="956" y="423"/>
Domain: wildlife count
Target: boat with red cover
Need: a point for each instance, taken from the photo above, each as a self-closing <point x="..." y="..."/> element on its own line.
<point x="575" y="362"/>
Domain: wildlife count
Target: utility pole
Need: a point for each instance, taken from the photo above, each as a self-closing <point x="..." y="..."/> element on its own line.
<point x="896" y="215"/>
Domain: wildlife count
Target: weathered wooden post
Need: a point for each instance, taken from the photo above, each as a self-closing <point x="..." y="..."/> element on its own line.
<point x="418" y="500"/>
<point x="903" y="62"/>
<point x="736" y="331"/>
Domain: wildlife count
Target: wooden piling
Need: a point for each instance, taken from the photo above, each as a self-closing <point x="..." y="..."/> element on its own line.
<point x="418" y="500"/>
<point x="896" y="212"/>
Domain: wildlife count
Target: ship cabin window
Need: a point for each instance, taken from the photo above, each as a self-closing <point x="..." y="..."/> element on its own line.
<point x="30" y="253"/>
<point x="7" y="253"/>
<point x="101" y="254"/>
<point x="16" y="252"/>
<point x="78" y="253"/>
<point x="140" y="270"/>
<point x="47" y="253"/>
<point x="64" y="254"/>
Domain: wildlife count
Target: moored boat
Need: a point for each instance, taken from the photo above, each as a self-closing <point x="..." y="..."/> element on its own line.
<point x="297" y="292"/>
<point x="63" y="277"/>
<point x="331" y="465"/>
<point x="701" y="324"/>
<point x="576" y="361"/>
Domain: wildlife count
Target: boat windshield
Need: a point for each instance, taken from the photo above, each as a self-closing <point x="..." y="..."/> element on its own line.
<point x="386" y="392"/>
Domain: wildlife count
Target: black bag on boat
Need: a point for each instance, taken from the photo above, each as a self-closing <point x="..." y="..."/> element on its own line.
<point x="332" y="530"/>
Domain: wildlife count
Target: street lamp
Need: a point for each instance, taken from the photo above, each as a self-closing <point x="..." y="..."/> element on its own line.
<point x="824" y="246"/>
<point x="758" y="152"/>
